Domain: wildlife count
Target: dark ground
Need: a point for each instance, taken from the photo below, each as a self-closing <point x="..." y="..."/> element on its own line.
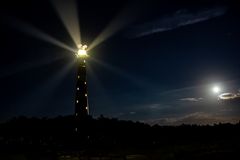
<point x="103" y="138"/>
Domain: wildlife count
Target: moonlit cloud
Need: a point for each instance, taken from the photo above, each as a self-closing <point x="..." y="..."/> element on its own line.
<point x="170" y="22"/>
<point x="229" y="96"/>
<point x="192" y="99"/>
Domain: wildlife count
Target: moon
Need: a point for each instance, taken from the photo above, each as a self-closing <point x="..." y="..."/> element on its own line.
<point x="216" y="89"/>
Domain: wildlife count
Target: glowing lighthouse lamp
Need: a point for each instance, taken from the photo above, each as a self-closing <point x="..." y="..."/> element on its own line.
<point x="82" y="53"/>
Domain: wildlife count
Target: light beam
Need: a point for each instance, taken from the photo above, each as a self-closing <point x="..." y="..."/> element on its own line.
<point x="126" y="17"/>
<point x="28" y="66"/>
<point x="36" y="33"/>
<point x="135" y="80"/>
<point x="49" y="86"/>
<point x="68" y="13"/>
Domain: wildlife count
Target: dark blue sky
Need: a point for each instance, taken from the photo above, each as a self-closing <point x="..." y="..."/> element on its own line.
<point x="164" y="76"/>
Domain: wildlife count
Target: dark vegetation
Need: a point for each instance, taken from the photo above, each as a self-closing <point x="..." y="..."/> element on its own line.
<point x="104" y="138"/>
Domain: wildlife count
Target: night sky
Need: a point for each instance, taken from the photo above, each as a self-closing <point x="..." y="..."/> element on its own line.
<point x="158" y="66"/>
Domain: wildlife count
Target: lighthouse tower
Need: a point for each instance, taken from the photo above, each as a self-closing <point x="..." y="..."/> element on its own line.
<point x="81" y="98"/>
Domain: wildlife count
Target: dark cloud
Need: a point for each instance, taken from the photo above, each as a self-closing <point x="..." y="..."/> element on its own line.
<point x="170" y="22"/>
<point x="132" y="112"/>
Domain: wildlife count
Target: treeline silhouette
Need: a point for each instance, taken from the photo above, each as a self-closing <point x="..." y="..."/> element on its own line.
<point x="59" y="134"/>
